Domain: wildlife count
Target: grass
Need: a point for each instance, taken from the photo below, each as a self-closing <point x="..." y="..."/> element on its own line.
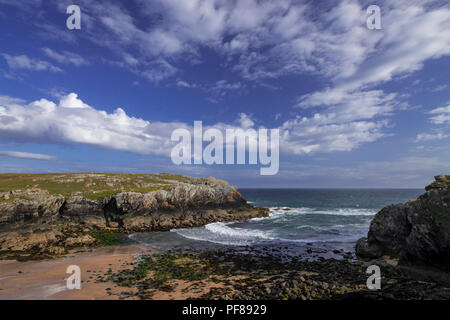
<point x="95" y="186"/>
<point x="98" y="196"/>
<point x="2" y="200"/>
<point x="170" y="176"/>
<point x="108" y="238"/>
<point x="150" y="189"/>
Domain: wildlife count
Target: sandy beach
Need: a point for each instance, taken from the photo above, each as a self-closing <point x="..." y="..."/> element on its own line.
<point x="46" y="280"/>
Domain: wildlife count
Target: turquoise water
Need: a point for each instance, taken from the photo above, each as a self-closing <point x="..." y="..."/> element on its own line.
<point x="299" y="218"/>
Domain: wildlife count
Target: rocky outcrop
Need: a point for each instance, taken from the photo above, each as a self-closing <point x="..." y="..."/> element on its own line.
<point x="34" y="220"/>
<point x="25" y="205"/>
<point x="417" y="232"/>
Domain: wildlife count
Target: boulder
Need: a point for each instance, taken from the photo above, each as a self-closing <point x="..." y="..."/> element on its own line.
<point x="418" y="232"/>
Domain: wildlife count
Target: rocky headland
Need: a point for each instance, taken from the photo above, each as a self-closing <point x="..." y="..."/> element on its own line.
<point x="46" y="215"/>
<point x="416" y="232"/>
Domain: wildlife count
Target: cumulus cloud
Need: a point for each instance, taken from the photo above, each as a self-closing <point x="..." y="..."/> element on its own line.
<point x="71" y="120"/>
<point x="264" y="40"/>
<point x="245" y="121"/>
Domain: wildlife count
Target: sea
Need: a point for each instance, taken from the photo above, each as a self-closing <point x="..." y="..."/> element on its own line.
<point x="302" y="222"/>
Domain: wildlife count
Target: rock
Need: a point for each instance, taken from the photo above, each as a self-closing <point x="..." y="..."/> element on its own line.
<point x="363" y="249"/>
<point x="188" y="202"/>
<point x="418" y="232"/>
<point x="77" y="206"/>
<point x="29" y="205"/>
<point x="85" y="240"/>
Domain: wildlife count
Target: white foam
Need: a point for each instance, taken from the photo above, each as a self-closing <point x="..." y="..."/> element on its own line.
<point x="221" y="233"/>
<point x="274" y="212"/>
<point x="224" y="229"/>
<point x="230" y="234"/>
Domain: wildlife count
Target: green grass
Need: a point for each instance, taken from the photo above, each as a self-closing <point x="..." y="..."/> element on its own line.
<point x="177" y="177"/>
<point x="95" y="186"/>
<point x="98" y="196"/>
<point x="2" y="199"/>
<point x="108" y="238"/>
<point x="150" y="189"/>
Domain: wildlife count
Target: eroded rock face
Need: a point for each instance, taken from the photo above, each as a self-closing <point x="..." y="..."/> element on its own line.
<point x="34" y="220"/>
<point x="81" y="206"/>
<point x="416" y="232"/>
<point x="25" y="205"/>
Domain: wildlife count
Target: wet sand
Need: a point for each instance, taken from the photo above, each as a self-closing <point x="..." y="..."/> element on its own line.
<point x="46" y="280"/>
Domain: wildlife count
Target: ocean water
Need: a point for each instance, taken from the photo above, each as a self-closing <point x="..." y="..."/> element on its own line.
<point x="323" y="219"/>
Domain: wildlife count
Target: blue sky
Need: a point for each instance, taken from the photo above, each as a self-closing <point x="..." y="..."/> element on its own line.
<point x="355" y="107"/>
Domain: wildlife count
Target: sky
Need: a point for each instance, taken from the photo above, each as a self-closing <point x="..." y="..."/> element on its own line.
<point x="355" y="107"/>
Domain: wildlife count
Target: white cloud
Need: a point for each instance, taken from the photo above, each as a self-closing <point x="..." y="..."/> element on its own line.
<point x="273" y="38"/>
<point x="263" y="40"/>
<point x="440" y="88"/>
<point x="222" y="88"/>
<point x="66" y="57"/>
<point x="353" y="105"/>
<point x="441" y="115"/>
<point x="184" y="84"/>
<point x="216" y="91"/>
<point x="319" y="134"/>
<point x="245" y="121"/>
<point x="24" y="62"/>
<point x="74" y="121"/>
<point x="431" y="136"/>
<point x="159" y="70"/>
<point x="26" y="155"/>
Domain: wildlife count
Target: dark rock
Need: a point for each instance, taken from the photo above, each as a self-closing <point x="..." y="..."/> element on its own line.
<point x="418" y="232"/>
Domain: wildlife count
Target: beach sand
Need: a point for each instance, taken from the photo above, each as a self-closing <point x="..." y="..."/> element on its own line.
<point x="46" y="280"/>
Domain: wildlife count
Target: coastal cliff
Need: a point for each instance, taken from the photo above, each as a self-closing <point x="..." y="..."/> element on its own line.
<point x="49" y="214"/>
<point x="417" y="232"/>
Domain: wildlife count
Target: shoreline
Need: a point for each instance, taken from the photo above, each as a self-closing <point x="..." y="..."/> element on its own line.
<point x="45" y="279"/>
<point x="136" y="271"/>
<point x="168" y="265"/>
